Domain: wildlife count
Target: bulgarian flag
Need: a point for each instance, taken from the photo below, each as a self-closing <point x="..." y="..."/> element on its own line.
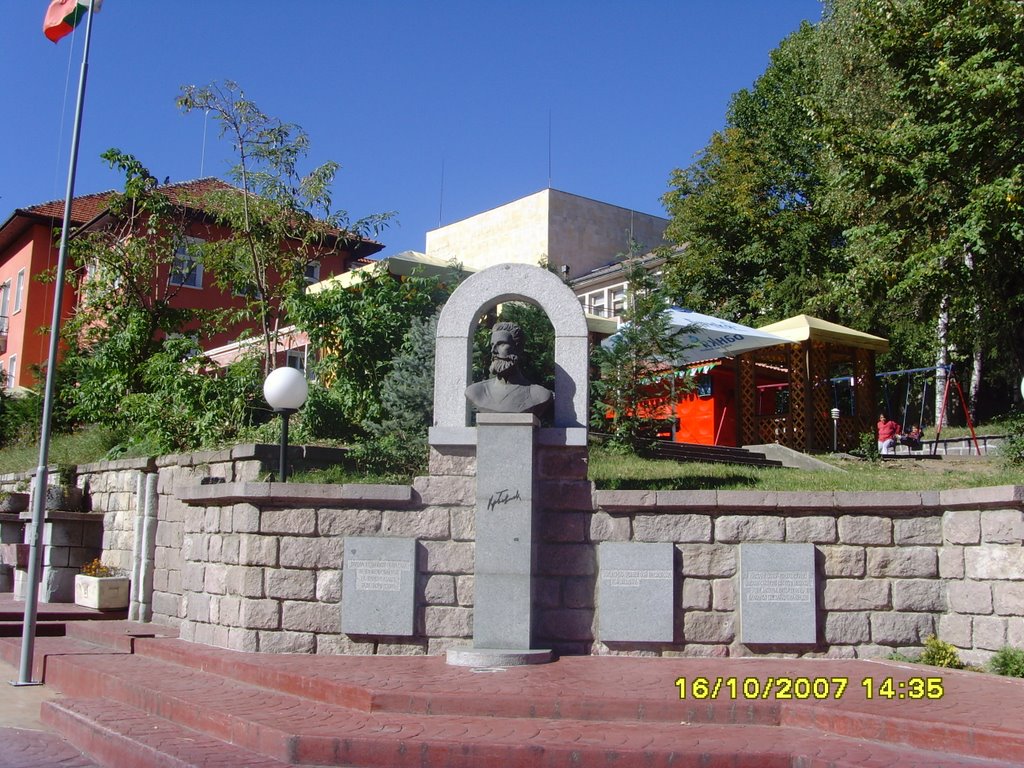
<point x="63" y="16"/>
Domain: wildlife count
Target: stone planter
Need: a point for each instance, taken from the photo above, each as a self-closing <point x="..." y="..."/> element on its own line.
<point x="104" y="593"/>
<point x="66" y="498"/>
<point x="14" y="555"/>
<point x="13" y="503"/>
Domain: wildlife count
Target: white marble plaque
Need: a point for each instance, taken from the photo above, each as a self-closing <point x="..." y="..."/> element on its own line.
<point x="635" y="592"/>
<point x="777" y="594"/>
<point x="378" y="586"/>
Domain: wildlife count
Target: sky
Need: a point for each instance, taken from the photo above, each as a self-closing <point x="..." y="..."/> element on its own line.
<point x="435" y="110"/>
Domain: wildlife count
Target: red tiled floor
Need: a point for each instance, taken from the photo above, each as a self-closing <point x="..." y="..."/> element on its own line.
<point x="417" y="711"/>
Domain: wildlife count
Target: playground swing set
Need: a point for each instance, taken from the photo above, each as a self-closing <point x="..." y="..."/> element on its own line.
<point x="950" y="383"/>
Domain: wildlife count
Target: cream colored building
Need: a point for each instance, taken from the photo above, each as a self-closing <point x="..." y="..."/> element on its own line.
<point x="563" y="229"/>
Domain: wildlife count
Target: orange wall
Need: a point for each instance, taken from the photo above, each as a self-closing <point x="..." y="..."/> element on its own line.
<point x="210" y="297"/>
<point x="709" y="420"/>
<point x="34" y="253"/>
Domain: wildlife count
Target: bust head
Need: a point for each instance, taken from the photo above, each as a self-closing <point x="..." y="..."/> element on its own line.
<point x="506" y="349"/>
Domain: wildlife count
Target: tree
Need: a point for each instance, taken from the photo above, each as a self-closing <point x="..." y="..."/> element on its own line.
<point x="929" y="174"/>
<point x="407" y="392"/>
<point x="126" y="306"/>
<point x="356" y="330"/>
<point x="753" y="242"/>
<point x="283" y="220"/>
<point x="630" y="388"/>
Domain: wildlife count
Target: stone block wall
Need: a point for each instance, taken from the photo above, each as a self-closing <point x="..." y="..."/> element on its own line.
<point x="268" y="578"/>
<point x="258" y="566"/>
<point x="892" y="568"/>
<point x="112" y="489"/>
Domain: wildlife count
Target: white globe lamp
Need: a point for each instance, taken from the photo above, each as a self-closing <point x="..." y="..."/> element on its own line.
<point x="285" y="390"/>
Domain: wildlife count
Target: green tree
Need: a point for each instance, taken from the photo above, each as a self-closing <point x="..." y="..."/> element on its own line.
<point x="126" y="306"/>
<point x="183" y="404"/>
<point x="356" y="330"/>
<point x="407" y="393"/>
<point x="283" y="219"/>
<point x="631" y="390"/>
<point x="753" y="243"/>
<point x="921" y="113"/>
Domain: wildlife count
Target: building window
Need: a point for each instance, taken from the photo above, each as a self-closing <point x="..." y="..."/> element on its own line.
<point x="296" y="358"/>
<point x="618" y="299"/>
<point x="5" y="298"/>
<point x="312" y="272"/>
<point x="186" y="269"/>
<point x="597" y="305"/>
<point x="12" y="370"/>
<point x="19" y="290"/>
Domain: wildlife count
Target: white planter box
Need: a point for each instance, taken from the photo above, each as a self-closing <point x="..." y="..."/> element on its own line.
<point x="104" y="593"/>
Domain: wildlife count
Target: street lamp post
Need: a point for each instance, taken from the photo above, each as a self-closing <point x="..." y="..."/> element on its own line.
<point x="835" y="430"/>
<point x="285" y="390"/>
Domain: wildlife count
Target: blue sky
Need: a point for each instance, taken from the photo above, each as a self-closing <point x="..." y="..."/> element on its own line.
<point x="393" y="90"/>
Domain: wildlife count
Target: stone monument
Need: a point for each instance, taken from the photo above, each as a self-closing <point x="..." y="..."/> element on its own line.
<point x="505" y="440"/>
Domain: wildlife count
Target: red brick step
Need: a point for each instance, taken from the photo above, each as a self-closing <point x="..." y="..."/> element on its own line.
<point x="118" y="735"/>
<point x="292" y="729"/>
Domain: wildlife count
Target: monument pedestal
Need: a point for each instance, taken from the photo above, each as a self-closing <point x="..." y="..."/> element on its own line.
<point x="505" y="549"/>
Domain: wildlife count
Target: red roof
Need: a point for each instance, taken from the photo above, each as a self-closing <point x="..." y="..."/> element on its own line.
<point x="88" y="207"/>
<point x="85" y="208"/>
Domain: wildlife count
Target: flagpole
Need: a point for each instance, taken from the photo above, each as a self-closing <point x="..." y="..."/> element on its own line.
<point x="28" y="635"/>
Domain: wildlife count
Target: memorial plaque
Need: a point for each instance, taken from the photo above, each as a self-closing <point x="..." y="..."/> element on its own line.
<point x="378" y="586"/>
<point x="777" y="594"/>
<point x="635" y="592"/>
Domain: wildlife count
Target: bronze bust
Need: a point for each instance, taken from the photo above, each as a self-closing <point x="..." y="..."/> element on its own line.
<point x="508" y="391"/>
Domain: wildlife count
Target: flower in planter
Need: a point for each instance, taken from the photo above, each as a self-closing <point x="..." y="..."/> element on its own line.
<point x="101" y="587"/>
<point x="96" y="568"/>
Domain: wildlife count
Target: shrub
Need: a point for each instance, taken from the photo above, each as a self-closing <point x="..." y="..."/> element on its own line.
<point x="1012" y="449"/>
<point x="1008" y="661"/>
<point x="20" y="418"/>
<point x="389" y="457"/>
<point x="940" y="654"/>
<point x="867" y="447"/>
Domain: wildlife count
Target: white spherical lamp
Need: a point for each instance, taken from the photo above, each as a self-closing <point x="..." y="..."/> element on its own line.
<point x="285" y="390"/>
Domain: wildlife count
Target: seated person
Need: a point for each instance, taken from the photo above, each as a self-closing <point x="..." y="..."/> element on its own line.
<point x="912" y="439"/>
<point x="888" y="431"/>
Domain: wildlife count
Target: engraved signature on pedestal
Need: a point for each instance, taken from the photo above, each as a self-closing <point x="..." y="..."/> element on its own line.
<point x="504" y="496"/>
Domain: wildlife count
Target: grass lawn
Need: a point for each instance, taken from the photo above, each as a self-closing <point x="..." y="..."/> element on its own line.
<point x="82" y="447"/>
<point x="614" y="471"/>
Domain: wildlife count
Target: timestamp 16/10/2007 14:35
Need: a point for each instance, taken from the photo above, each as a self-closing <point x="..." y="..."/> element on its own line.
<point x="808" y="688"/>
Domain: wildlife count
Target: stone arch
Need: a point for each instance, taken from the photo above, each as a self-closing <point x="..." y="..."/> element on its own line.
<point x="480" y="293"/>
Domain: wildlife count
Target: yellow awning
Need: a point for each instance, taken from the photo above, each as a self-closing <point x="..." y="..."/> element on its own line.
<point x="805" y="327"/>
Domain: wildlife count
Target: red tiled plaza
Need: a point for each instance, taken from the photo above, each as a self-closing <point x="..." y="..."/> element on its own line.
<point x="135" y="695"/>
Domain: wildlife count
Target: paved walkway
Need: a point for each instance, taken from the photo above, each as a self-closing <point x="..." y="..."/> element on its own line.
<point x="133" y="700"/>
<point x="24" y="741"/>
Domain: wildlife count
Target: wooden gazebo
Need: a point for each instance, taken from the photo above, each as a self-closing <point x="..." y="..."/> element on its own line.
<point x="787" y="392"/>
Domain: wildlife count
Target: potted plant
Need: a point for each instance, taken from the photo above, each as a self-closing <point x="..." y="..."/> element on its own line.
<point x="65" y="496"/>
<point x="13" y="502"/>
<point x="101" y="587"/>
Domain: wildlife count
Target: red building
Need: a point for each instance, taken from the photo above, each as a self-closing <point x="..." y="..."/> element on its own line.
<point x="29" y="242"/>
